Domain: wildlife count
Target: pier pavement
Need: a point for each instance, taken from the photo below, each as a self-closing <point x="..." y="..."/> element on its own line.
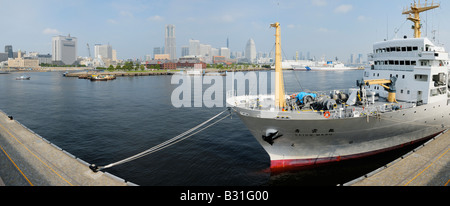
<point x="27" y="159"/>
<point x="427" y="165"/>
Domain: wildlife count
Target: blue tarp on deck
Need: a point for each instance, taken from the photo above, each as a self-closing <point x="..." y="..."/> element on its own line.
<point x="301" y="95"/>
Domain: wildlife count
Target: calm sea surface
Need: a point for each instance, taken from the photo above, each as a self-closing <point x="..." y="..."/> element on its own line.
<point x="103" y="122"/>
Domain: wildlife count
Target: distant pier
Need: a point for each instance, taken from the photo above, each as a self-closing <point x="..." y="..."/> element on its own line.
<point x="27" y="159"/>
<point x="427" y="165"/>
<point x="208" y="72"/>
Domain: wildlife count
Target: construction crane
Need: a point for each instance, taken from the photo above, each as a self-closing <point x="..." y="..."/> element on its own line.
<point x="416" y="9"/>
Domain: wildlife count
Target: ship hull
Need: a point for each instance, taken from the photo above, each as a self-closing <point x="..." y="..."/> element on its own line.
<point x="307" y="142"/>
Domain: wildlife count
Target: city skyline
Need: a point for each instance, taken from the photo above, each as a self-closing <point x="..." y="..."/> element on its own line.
<point x="328" y="28"/>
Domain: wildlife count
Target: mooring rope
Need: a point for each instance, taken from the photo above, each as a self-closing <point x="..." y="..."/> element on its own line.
<point x="165" y="144"/>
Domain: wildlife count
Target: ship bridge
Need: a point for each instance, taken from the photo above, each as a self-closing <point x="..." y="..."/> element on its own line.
<point x="420" y="66"/>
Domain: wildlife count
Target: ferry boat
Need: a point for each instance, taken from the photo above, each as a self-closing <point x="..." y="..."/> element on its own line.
<point x="402" y="98"/>
<point x="322" y="66"/>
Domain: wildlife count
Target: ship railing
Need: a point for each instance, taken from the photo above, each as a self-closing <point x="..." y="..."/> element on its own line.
<point x="265" y="102"/>
<point x="345" y="111"/>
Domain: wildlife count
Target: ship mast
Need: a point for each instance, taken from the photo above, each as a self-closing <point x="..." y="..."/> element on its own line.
<point x="280" y="100"/>
<point x="416" y="9"/>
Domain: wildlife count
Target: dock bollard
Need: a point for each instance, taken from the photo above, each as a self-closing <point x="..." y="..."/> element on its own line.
<point x="93" y="167"/>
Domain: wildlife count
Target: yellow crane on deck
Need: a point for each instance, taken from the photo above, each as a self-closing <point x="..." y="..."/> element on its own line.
<point x="387" y="84"/>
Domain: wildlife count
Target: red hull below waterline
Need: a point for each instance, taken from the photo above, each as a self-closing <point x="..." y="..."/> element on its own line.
<point x="278" y="166"/>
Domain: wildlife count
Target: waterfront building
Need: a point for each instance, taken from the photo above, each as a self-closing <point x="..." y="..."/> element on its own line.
<point x="225" y="52"/>
<point x="352" y="59"/>
<point x="170" y="42"/>
<point x="250" y="51"/>
<point x="22" y="62"/>
<point x="219" y="59"/>
<point x="184" y="51"/>
<point x="114" y="55"/>
<point x="9" y="51"/>
<point x="214" y="52"/>
<point x="162" y="56"/>
<point x="103" y="51"/>
<point x="157" y="50"/>
<point x="44" y="58"/>
<point x="194" y="47"/>
<point x="3" y="57"/>
<point x="205" y="50"/>
<point x="64" y="49"/>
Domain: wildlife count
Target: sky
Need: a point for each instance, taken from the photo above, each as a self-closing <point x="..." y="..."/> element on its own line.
<point x="329" y="28"/>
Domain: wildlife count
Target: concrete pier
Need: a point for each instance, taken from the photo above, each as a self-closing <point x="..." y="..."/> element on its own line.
<point x="27" y="159"/>
<point x="427" y="165"/>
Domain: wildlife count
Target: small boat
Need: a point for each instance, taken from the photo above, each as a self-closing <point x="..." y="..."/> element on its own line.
<point x="23" y="78"/>
<point x="110" y="77"/>
<point x="96" y="77"/>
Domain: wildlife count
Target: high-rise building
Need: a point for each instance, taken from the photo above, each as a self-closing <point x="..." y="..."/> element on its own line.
<point x="171" y="45"/>
<point x="225" y="52"/>
<point x="64" y="49"/>
<point x="114" y="55"/>
<point x="352" y="59"/>
<point x="250" y="51"/>
<point x="9" y="51"/>
<point x="184" y="51"/>
<point x="157" y="50"/>
<point x="194" y="47"/>
<point x="214" y="52"/>
<point x="103" y="51"/>
<point x="360" y="59"/>
<point x="205" y="50"/>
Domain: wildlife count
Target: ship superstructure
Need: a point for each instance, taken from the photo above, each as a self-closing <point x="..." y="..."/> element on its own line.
<point x="402" y="98"/>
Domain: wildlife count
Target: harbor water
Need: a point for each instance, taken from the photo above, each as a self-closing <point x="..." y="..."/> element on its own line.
<point x="104" y="122"/>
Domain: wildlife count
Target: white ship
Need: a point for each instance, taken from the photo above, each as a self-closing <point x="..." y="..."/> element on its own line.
<point x="322" y="66"/>
<point x="308" y="65"/>
<point x="402" y="98"/>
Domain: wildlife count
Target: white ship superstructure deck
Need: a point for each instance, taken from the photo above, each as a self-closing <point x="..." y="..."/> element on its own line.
<point x="421" y="69"/>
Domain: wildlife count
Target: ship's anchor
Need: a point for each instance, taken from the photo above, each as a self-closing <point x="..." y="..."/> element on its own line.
<point x="271" y="135"/>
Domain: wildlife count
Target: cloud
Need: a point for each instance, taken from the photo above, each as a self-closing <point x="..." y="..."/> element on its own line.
<point x="319" y="2"/>
<point x="342" y="9"/>
<point x="111" y="21"/>
<point x="51" y="31"/>
<point x="323" y="30"/>
<point x="155" y="18"/>
<point x="227" y="18"/>
<point x="126" y="14"/>
<point x="361" y="18"/>
<point x="293" y="26"/>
